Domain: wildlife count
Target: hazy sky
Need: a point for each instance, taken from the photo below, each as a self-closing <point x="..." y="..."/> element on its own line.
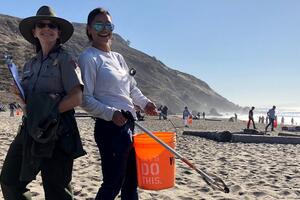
<point x="246" y="50"/>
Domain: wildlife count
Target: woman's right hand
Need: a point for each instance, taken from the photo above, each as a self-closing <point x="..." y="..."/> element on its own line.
<point x="118" y="118"/>
<point x="150" y="109"/>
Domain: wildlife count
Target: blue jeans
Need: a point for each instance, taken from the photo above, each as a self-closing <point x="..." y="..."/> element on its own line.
<point x="117" y="162"/>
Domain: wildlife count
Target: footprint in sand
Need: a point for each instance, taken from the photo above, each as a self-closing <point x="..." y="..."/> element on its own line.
<point x="250" y="184"/>
<point x="187" y="172"/>
<point x="180" y="182"/>
<point x="204" y="189"/>
<point x="235" y="188"/>
<point x="223" y="172"/>
<point x="261" y="182"/>
<point x="288" y="178"/>
<point x="259" y="194"/>
<point x="285" y="193"/>
<point x="185" y="198"/>
<point x="34" y="194"/>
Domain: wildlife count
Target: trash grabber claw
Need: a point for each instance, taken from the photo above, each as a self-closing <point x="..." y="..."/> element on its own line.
<point x="212" y="180"/>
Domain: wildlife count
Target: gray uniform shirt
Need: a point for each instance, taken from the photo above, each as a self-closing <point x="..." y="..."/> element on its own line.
<point x="58" y="73"/>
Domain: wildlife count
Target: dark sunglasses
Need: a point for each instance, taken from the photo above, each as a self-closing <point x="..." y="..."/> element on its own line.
<point x="43" y="25"/>
<point x="99" y="26"/>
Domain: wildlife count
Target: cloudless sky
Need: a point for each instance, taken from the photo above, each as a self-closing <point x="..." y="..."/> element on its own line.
<point x="246" y="50"/>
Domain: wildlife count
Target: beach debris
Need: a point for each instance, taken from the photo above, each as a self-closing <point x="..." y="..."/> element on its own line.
<point x="291" y="128"/>
<point x="213" y="181"/>
<point x="246" y="138"/>
<point x="252" y="132"/>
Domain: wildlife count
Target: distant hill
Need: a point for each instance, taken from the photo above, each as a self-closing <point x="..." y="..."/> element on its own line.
<point x="157" y="81"/>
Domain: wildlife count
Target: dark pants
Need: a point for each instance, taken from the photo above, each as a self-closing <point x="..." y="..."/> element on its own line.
<point x="117" y="162"/>
<point x="271" y="122"/>
<point x="249" y="121"/>
<point x="56" y="174"/>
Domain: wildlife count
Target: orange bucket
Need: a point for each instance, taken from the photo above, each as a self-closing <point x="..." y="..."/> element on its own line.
<point x="190" y="120"/>
<point x="155" y="164"/>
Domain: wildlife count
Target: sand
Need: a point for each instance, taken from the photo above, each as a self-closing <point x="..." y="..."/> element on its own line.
<point x="252" y="171"/>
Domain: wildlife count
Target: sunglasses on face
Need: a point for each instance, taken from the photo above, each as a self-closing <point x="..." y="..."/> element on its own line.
<point x="43" y="25"/>
<point x="99" y="26"/>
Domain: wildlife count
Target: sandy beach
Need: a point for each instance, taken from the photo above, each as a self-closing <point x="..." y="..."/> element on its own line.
<point x="252" y="171"/>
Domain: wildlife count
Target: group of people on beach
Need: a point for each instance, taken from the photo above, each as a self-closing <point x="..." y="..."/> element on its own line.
<point x="163" y="112"/>
<point x="270" y="119"/>
<point x="48" y="140"/>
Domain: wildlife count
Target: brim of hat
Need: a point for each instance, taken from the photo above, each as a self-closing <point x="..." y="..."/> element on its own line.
<point x="27" y="25"/>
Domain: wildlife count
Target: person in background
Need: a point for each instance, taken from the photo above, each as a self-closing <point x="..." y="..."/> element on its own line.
<point x="109" y="89"/>
<point x="2" y="107"/>
<point x="292" y="121"/>
<point x="12" y="107"/>
<point x="52" y="90"/>
<point x="185" y="116"/>
<point x="282" y="120"/>
<point x="139" y="115"/>
<point x="164" y="112"/>
<point x="250" y="117"/>
<point x="203" y="115"/>
<point x="271" y="117"/>
<point x="160" y="112"/>
<point x="198" y="115"/>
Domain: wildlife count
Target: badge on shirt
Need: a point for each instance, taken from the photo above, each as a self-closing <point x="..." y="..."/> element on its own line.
<point x="55" y="62"/>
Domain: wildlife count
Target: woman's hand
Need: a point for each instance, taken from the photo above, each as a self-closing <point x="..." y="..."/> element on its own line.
<point x="73" y="99"/>
<point x="150" y="109"/>
<point x="118" y="118"/>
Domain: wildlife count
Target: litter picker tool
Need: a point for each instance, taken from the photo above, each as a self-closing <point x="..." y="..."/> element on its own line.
<point x="212" y="180"/>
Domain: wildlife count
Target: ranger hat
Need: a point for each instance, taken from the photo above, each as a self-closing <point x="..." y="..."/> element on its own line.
<point x="45" y="13"/>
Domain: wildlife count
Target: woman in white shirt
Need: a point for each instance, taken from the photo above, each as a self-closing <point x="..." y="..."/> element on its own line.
<point x="109" y="89"/>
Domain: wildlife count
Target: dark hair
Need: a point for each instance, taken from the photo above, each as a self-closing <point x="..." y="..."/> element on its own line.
<point x="38" y="46"/>
<point x="92" y="16"/>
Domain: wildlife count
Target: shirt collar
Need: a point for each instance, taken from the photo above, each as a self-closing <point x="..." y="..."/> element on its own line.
<point x="52" y="54"/>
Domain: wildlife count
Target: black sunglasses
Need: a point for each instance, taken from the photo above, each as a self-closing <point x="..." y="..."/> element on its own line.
<point x="43" y="25"/>
<point x="99" y="26"/>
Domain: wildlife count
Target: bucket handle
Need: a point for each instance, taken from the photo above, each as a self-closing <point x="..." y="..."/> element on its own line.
<point x="212" y="180"/>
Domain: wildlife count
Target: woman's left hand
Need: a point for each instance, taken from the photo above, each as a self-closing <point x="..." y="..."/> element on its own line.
<point x="150" y="109"/>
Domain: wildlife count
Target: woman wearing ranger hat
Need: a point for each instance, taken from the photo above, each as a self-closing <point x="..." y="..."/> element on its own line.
<point x="49" y="139"/>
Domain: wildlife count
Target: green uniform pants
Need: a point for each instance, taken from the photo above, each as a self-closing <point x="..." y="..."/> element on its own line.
<point x="56" y="174"/>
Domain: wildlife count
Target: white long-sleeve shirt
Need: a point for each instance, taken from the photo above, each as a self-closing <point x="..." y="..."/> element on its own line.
<point x="108" y="85"/>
